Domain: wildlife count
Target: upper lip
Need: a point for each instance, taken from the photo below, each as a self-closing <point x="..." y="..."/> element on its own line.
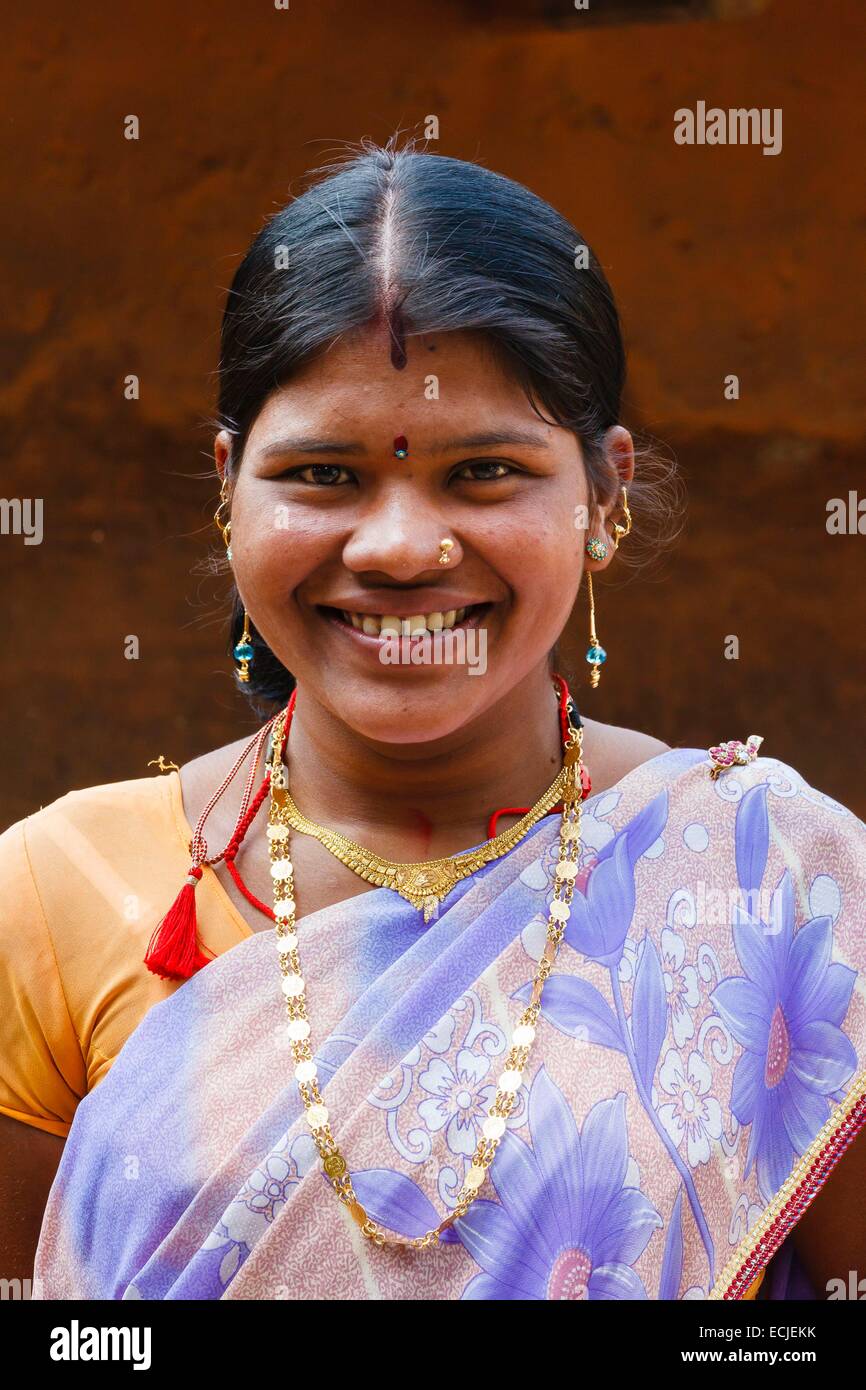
<point x="405" y="605"/>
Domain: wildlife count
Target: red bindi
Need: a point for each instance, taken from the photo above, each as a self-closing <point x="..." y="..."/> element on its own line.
<point x="401" y="446"/>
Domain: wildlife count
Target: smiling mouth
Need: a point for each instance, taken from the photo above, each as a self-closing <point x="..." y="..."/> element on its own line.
<point x="379" y="625"/>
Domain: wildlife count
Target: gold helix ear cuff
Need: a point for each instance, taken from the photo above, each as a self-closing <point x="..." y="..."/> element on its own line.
<point x="620" y="531"/>
<point x="445" y="546"/>
<point x="225" y="527"/>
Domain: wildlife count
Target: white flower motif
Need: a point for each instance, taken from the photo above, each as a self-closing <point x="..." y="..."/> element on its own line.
<point x="692" y="1114"/>
<point x="681" y="985"/>
<point x="259" y="1202"/>
<point x="267" y="1189"/>
<point x="459" y="1101"/>
<point x="268" y="1186"/>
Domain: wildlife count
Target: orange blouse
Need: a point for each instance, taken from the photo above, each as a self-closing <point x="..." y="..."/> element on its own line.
<point x="84" y="882"/>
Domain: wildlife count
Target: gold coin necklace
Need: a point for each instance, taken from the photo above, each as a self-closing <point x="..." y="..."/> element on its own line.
<point x="569" y="788"/>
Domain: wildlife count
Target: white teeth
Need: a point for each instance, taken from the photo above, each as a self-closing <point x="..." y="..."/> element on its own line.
<point x="418" y="622"/>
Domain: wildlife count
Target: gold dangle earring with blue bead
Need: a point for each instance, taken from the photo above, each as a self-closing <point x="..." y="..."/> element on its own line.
<point x="595" y="652"/>
<point x="597" y="549"/>
<point x="243" y="650"/>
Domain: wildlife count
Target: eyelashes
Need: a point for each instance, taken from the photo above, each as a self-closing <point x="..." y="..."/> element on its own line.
<point x="329" y="469"/>
<point x="492" y="463"/>
<point x="317" y="468"/>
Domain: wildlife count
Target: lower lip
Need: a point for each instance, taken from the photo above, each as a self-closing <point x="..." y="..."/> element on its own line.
<point x="373" y="643"/>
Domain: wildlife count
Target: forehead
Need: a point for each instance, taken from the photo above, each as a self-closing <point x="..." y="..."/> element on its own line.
<point x="447" y="377"/>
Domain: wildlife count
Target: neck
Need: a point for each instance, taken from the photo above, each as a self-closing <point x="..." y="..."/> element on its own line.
<point x="425" y="797"/>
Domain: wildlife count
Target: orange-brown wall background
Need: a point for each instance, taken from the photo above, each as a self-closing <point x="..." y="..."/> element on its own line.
<point x="723" y="260"/>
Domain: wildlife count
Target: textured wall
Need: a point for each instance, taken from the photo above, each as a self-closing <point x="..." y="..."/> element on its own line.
<point x="723" y="260"/>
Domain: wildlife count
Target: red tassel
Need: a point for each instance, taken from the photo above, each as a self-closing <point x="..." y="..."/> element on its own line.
<point x="173" y="951"/>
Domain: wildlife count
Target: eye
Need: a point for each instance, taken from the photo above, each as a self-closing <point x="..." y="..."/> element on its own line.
<point x="323" y="474"/>
<point x="488" y="477"/>
<point x="328" y="474"/>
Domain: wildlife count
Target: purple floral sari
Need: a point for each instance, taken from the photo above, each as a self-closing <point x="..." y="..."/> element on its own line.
<point x="699" y="1066"/>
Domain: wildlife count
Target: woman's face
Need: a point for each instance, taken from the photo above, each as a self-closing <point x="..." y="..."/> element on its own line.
<point x="326" y="521"/>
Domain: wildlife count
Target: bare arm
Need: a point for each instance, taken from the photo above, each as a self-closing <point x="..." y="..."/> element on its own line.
<point x="28" y="1162"/>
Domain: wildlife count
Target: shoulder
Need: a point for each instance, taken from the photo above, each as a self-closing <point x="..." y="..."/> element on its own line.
<point x="806" y="813"/>
<point x="88" y="816"/>
<point x="767" y="800"/>
<point x="611" y="752"/>
<point x="90" y="850"/>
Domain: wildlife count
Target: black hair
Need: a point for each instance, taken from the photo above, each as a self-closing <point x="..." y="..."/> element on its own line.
<point x="424" y="243"/>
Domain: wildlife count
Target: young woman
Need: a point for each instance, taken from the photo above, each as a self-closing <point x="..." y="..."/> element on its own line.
<point x="441" y="991"/>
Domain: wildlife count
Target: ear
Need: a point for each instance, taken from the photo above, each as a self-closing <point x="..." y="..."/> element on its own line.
<point x="222" y="448"/>
<point x="618" y="449"/>
<point x="619" y="454"/>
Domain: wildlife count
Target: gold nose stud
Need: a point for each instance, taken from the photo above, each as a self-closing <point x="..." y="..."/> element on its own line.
<point x="445" y="548"/>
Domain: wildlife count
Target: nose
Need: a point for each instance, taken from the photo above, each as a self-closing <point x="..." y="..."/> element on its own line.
<point x="402" y="538"/>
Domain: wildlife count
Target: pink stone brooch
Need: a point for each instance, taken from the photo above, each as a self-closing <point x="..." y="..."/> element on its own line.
<point x="726" y="755"/>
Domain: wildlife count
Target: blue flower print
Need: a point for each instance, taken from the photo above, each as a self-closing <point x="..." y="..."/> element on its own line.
<point x="602" y="912"/>
<point x="786" y="1012"/>
<point x="565" y="1226"/>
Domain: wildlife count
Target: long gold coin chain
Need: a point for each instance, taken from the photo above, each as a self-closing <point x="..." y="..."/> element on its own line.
<point x="294" y="988"/>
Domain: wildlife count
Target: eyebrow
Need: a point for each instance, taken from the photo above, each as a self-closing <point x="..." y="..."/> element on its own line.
<point x="310" y="444"/>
